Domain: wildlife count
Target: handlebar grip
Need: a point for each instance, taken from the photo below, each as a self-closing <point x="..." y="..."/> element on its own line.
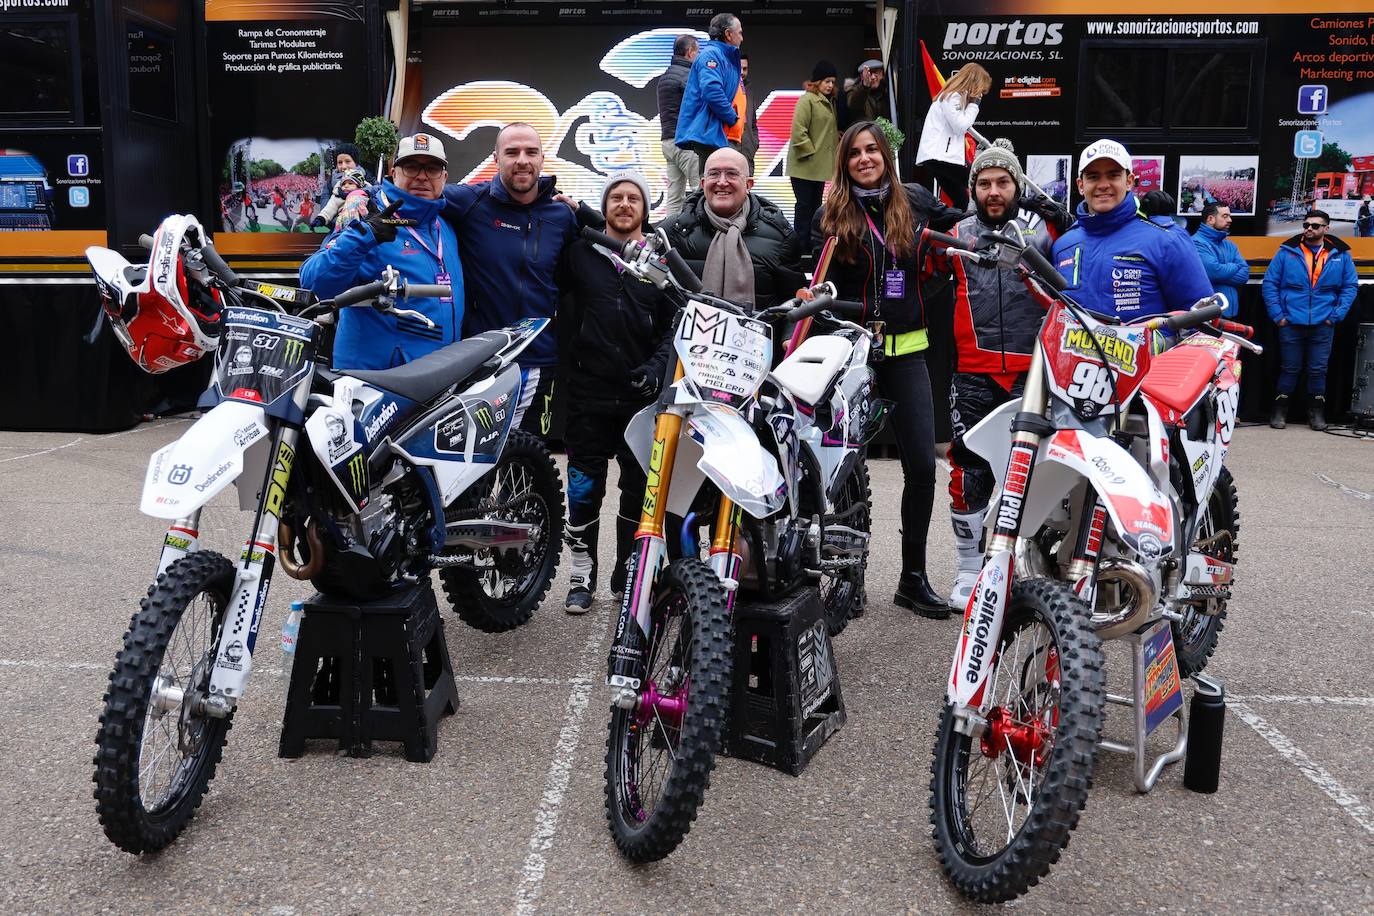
<point x="1043" y="269"/>
<point x="1191" y="319"/>
<point x="217" y="265"/>
<point x="426" y="291"/>
<point x="146" y="241"/>
<point x="847" y="307"/>
<point x="682" y="272"/>
<point x="810" y="307"/>
<point x="605" y="241"/>
<point x="1235" y="327"/>
<point x="948" y="241"/>
<point x="359" y="294"/>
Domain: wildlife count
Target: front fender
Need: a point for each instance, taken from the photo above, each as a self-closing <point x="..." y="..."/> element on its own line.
<point x="733" y="459"/>
<point x="1140" y="512"/>
<point x="191" y="471"/>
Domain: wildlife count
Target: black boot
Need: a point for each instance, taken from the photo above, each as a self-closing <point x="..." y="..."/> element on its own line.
<point x="581" y="541"/>
<point x="1316" y="413"/>
<point x="1280" y="418"/>
<point x="915" y="594"/>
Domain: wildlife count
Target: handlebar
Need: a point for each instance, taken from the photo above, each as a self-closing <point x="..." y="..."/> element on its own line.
<point x="604" y="240"/>
<point x="360" y="293"/>
<point x="146" y="241"/>
<point x="948" y="241"/>
<point x="1235" y="327"/>
<point x="1181" y="321"/>
<point x="209" y="254"/>
<point x="682" y="272"/>
<point x="1044" y="270"/>
<point x="425" y="291"/>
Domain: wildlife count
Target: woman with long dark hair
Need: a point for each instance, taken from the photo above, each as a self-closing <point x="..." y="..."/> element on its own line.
<point x="877" y="223"/>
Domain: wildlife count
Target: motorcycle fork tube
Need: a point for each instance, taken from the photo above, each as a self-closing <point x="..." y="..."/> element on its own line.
<point x="1088" y="545"/>
<point x="625" y="666"/>
<point x="725" y="557"/>
<point x="183" y="537"/>
<point x="1028" y="430"/>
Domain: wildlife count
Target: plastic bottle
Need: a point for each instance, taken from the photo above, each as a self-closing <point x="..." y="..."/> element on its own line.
<point x="290" y="630"/>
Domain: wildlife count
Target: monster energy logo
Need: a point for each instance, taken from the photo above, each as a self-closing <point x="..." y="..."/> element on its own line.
<point x="293" y="351"/>
<point x="357" y="476"/>
<point x="483" y="415"/>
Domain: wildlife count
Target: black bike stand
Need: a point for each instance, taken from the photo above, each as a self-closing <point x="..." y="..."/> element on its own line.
<point x="374" y="671"/>
<point x="785" y="696"/>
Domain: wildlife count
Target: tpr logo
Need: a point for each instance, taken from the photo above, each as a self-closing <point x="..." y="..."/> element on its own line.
<point x="1312" y="100"/>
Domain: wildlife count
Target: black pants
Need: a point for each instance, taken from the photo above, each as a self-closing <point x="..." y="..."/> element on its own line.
<point x="905" y="381"/>
<point x="808" y="195"/>
<point x="595" y="433"/>
<point x="971" y="399"/>
<point x="703" y="151"/>
<point x="953" y="181"/>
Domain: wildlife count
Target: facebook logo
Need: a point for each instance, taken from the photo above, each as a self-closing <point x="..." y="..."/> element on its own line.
<point x="1312" y="100"/>
<point x="78" y="197"/>
<point x="78" y="166"/>
<point x="1307" y="144"/>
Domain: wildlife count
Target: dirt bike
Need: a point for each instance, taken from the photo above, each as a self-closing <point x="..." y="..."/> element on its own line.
<point x="357" y="481"/>
<point x="1113" y="517"/>
<point x="775" y="459"/>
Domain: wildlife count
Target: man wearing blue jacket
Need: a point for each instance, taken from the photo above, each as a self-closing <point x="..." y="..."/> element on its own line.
<point x="1118" y="261"/>
<point x="512" y="232"/>
<point x="1222" y="260"/>
<point x="1308" y="288"/>
<point x="708" y="103"/>
<point x="416" y="242"/>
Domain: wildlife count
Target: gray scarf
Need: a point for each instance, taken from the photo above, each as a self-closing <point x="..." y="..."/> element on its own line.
<point x="729" y="272"/>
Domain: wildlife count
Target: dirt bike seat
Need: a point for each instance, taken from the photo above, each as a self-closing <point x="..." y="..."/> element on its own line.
<point x="1178" y="376"/>
<point x="427" y="376"/>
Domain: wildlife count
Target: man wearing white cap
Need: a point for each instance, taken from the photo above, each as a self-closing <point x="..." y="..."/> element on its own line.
<point x="411" y="238"/>
<point x="1117" y="261"/>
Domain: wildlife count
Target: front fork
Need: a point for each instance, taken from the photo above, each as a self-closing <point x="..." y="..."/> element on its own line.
<point x="182" y="538"/>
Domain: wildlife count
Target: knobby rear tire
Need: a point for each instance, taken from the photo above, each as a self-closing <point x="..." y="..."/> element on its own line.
<point x="1195" y="637"/>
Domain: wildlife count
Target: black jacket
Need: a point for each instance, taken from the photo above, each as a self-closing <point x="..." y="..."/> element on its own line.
<point x="671" y="85"/>
<point x="862" y="280"/>
<point x="610" y="324"/>
<point x="773" y="246"/>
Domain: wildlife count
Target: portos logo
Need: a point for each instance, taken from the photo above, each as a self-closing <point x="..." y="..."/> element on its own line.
<point x="1012" y="34"/>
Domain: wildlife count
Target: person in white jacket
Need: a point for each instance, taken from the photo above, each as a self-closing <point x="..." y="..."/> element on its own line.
<point x="951" y="114"/>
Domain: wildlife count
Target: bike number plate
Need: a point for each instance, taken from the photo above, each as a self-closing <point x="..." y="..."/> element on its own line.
<point x="725" y="356"/>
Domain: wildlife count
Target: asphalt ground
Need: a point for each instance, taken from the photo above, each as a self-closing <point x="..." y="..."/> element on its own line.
<point x="509" y="815"/>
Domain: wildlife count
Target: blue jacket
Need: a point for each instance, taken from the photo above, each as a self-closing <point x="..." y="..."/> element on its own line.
<point x="708" y="101"/>
<point x="1288" y="290"/>
<point x="510" y="255"/>
<point x="1225" y="267"/>
<point x="1121" y="263"/>
<point x="367" y="339"/>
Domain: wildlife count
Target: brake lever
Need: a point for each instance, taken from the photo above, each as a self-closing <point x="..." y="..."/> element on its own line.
<point x="411" y="313"/>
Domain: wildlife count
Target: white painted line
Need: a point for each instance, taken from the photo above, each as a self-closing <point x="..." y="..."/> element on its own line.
<point x="560" y="772"/>
<point x="56" y="448"/>
<point x="79" y="439"/>
<point x="59" y="666"/>
<point x="1347" y="801"/>
<point x="1304" y="701"/>
<point x="1348" y="491"/>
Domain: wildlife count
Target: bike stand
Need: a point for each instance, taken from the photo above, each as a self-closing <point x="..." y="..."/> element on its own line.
<point x="373" y="671"/>
<point x="785" y="699"/>
<point x="1158" y="698"/>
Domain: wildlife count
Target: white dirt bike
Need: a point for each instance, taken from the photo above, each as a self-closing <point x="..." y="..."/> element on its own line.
<point x="1113" y="517"/>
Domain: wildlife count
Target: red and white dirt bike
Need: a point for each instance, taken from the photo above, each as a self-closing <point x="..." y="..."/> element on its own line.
<point x="1114" y="518"/>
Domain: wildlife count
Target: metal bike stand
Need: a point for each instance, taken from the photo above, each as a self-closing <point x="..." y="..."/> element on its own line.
<point x="1145" y="779"/>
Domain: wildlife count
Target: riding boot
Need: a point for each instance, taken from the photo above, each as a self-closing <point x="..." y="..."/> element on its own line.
<point x="581" y="541"/>
<point x="1280" y="418"/>
<point x="968" y="537"/>
<point x="1316" y="413"/>
<point x="625" y="529"/>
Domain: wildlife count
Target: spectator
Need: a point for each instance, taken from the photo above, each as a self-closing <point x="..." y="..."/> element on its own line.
<point x="868" y="99"/>
<point x="878" y="260"/>
<point x="1364" y="220"/>
<point x="684" y="169"/>
<point x="708" y="100"/>
<point x="1159" y="206"/>
<point x="739" y="243"/>
<point x="349" y="181"/>
<point x="996" y="322"/>
<point x="811" y="153"/>
<point x="748" y="144"/>
<point x="1221" y="259"/>
<point x="346" y="158"/>
<point x="1308" y="288"/>
<point x="618" y="330"/>
<point x="1118" y="261"/>
<point x="512" y="232"/>
<point x="425" y="250"/>
<point x="279" y="203"/>
<point x="951" y="114"/>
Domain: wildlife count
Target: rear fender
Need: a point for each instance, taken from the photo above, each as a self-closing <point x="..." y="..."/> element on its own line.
<point x="188" y="473"/>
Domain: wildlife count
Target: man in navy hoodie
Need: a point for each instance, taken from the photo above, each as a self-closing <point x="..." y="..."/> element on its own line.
<point x="512" y="232"/>
<point x="1118" y="261"/>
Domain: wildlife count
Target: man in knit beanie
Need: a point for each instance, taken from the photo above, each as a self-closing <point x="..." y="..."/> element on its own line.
<point x="617" y="333"/>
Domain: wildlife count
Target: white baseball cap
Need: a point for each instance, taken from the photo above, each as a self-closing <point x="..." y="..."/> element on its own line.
<point x="1104" y="149"/>
<point x="420" y="145"/>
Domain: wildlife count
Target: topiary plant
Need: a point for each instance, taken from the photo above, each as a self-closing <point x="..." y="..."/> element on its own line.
<point x="376" y="139"/>
<point x="891" y="132"/>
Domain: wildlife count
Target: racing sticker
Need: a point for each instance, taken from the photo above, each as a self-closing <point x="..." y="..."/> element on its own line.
<point x="1163" y="692"/>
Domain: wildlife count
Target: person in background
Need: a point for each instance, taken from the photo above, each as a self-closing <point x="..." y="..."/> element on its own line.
<point x="811" y="152"/>
<point x="1364" y="220"/>
<point x="346" y="158"/>
<point x="1159" y="206"/>
<point x="708" y="100"/>
<point x="879" y="260"/>
<point x="1221" y="259"/>
<point x="416" y="242"/>
<point x="1309" y="287"/>
<point x="951" y="114"/>
<point x="868" y="98"/>
<point x="684" y="169"/>
<point x="748" y="144"/>
<point x="333" y="210"/>
<point x="618" y="331"/>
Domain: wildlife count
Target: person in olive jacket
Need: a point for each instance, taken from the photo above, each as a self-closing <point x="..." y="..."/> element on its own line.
<point x="879" y="259"/>
<point x="811" y="152"/>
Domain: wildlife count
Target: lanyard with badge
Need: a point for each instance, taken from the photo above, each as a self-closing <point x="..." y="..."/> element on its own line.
<point x="893" y="283"/>
<point x="441" y="275"/>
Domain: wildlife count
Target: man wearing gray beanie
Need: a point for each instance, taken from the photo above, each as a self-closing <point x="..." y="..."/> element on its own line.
<point x="617" y="331"/>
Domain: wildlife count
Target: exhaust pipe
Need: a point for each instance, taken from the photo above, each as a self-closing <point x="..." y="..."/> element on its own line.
<point x="286" y="558"/>
<point x="1135" y="597"/>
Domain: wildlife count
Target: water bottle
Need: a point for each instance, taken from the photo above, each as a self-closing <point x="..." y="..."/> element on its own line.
<point x="290" y="630"/>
